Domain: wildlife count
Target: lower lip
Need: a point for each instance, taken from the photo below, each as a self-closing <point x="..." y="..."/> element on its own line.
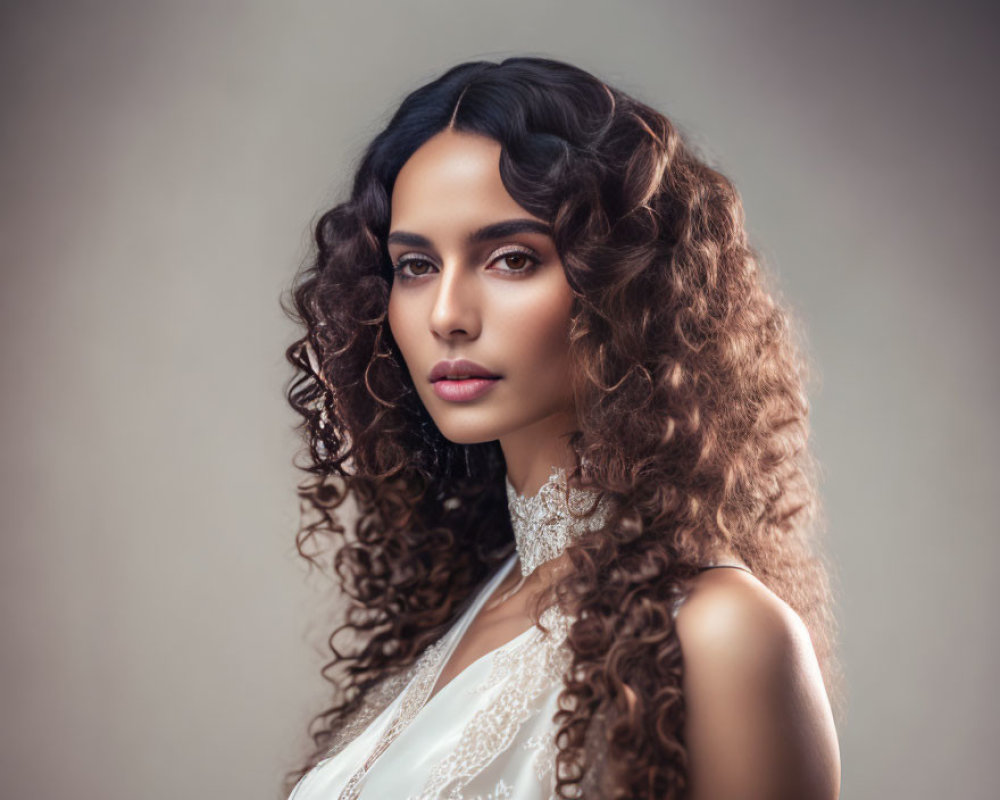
<point x="463" y="390"/>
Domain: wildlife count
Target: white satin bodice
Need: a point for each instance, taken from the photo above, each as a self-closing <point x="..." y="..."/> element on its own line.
<point x="486" y="734"/>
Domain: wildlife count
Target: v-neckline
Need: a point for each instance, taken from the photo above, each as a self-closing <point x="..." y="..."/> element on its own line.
<point x="458" y="633"/>
<point x="411" y="703"/>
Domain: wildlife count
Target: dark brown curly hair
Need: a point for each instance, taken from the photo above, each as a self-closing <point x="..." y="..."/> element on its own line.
<point x="689" y="394"/>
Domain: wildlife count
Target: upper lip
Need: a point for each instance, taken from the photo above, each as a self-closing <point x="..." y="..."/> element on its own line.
<point x="460" y="368"/>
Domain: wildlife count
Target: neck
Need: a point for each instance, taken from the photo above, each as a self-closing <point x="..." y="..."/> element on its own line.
<point x="546" y="522"/>
<point x="531" y="451"/>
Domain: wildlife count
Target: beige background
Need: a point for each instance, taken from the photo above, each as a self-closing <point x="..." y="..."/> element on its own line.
<point x="161" y="166"/>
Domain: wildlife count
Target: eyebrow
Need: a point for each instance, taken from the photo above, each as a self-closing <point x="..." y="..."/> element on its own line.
<point x="498" y="230"/>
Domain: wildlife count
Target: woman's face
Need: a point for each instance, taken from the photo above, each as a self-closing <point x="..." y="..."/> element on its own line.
<point x="477" y="277"/>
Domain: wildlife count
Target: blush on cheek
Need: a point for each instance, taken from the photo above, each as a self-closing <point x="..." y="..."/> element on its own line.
<point x="555" y="332"/>
<point x="548" y="353"/>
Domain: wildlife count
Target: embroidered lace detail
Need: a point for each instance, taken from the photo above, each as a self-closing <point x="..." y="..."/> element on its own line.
<point x="543" y="745"/>
<point x="502" y="791"/>
<point x="374" y="703"/>
<point x="413" y="699"/>
<point x="523" y="671"/>
<point x="544" y="524"/>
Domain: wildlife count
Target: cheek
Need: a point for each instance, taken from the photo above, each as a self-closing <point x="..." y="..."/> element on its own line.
<point x="541" y="331"/>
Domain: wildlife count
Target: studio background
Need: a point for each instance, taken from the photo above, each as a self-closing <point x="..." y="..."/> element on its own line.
<point x="162" y="164"/>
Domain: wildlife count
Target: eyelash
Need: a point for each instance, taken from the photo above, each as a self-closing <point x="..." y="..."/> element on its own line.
<point x="398" y="267"/>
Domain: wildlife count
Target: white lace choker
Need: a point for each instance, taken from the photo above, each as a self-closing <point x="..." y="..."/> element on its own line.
<point x="543" y="525"/>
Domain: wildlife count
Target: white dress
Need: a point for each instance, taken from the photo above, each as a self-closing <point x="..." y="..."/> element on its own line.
<point x="486" y="734"/>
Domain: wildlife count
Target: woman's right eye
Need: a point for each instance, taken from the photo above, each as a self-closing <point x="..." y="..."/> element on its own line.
<point x="416" y="265"/>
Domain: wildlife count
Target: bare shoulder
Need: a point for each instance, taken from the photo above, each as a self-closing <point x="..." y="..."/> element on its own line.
<point x="731" y="613"/>
<point x="759" y="723"/>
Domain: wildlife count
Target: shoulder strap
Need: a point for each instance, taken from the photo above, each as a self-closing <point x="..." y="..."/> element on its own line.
<point x="677" y="602"/>
<point x="730" y="566"/>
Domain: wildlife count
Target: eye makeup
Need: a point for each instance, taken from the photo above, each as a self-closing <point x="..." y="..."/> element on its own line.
<point x="408" y="260"/>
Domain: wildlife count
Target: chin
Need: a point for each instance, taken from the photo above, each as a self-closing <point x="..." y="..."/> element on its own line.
<point x="467" y="434"/>
<point x="466" y="424"/>
<point x="470" y="426"/>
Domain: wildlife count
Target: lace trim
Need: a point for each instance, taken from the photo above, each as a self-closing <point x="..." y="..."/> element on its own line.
<point x="379" y="697"/>
<point x="525" y="671"/>
<point x="502" y="791"/>
<point x="414" y="698"/>
<point x="526" y="668"/>
<point x="544" y="523"/>
<point x="543" y="745"/>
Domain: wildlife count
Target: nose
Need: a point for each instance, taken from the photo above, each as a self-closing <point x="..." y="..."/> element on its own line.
<point x="455" y="310"/>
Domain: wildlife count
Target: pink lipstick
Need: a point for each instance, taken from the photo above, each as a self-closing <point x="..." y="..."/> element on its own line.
<point x="463" y="390"/>
<point x="461" y="380"/>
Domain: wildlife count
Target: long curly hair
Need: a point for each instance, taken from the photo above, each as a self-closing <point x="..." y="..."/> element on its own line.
<point x="689" y="393"/>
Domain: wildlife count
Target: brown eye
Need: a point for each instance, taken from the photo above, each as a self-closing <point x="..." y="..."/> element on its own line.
<point x="410" y="268"/>
<point x="516" y="261"/>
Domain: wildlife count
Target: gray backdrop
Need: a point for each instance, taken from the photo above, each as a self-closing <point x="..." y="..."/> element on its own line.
<point x="162" y="164"/>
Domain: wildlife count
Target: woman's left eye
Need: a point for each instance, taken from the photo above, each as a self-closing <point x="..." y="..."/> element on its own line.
<point x="517" y="261"/>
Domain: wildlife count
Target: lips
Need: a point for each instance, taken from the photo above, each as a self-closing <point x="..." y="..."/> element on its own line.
<point x="461" y="380"/>
<point x="459" y="369"/>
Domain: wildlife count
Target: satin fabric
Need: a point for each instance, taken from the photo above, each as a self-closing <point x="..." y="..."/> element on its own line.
<point x="486" y="734"/>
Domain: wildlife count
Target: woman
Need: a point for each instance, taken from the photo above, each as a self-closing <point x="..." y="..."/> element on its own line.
<point x="541" y="360"/>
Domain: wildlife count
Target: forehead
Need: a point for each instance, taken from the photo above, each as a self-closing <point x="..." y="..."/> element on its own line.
<point x="452" y="178"/>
